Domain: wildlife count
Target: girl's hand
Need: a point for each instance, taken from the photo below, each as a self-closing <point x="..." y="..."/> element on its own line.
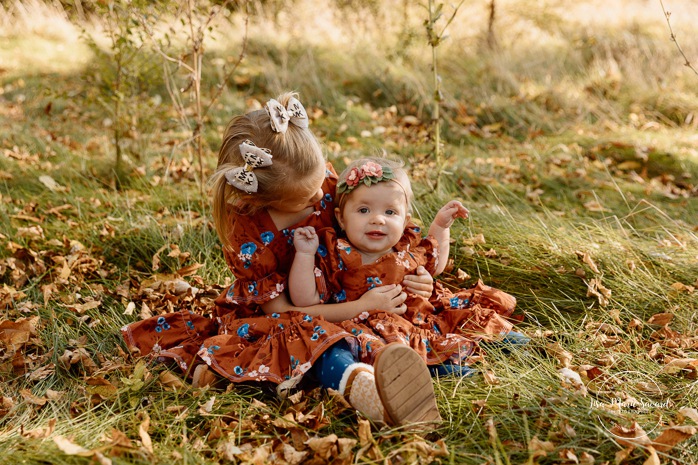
<point x="421" y="283"/>
<point x="305" y="240"/>
<point x="388" y="298"/>
<point x="449" y="212"/>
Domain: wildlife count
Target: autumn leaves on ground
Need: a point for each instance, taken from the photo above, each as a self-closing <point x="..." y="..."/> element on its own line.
<point x="568" y="129"/>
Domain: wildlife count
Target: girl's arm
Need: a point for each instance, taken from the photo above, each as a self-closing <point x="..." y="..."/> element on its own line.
<point x="440" y="230"/>
<point x="388" y="298"/>
<point x="301" y="277"/>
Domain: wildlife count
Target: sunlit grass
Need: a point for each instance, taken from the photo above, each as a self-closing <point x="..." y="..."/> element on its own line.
<point x="569" y="144"/>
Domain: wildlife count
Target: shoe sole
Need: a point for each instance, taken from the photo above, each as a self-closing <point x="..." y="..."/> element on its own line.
<point x="405" y="387"/>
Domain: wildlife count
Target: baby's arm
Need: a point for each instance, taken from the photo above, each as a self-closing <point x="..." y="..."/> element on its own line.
<point x="388" y="298"/>
<point x="301" y="277"/>
<point x="440" y="230"/>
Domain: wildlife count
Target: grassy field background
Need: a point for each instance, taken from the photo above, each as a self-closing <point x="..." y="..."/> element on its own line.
<point x="570" y="134"/>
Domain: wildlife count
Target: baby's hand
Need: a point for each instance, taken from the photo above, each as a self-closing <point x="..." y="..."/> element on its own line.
<point x="305" y="240"/>
<point x="449" y="212"/>
<point x="388" y="298"/>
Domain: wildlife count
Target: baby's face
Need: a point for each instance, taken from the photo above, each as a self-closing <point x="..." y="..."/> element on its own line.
<point x="374" y="217"/>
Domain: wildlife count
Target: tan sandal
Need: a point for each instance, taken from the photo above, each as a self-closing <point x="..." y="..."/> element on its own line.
<point x="405" y="387"/>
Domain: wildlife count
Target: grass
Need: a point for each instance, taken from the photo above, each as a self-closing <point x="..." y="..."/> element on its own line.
<point x="573" y="145"/>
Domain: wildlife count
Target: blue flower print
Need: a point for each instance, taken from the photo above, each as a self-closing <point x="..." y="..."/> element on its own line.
<point x="341" y="296"/>
<point x="267" y="237"/>
<point x="244" y="331"/>
<point x="275" y="315"/>
<point x="341" y="265"/>
<point x="458" y="303"/>
<point x="230" y="294"/>
<point x="288" y="234"/>
<point x="212" y="349"/>
<point x="322" y="250"/>
<point x="238" y="370"/>
<point x="314" y="337"/>
<point x="252" y="288"/>
<point x="436" y="329"/>
<point x="368" y="347"/>
<point x="294" y="362"/>
<point x="426" y="343"/>
<point x="162" y="325"/>
<point x="246" y="251"/>
<point x="307" y="318"/>
<point x="190" y="325"/>
<point x="248" y="248"/>
<point x="326" y="198"/>
<point x="373" y="282"/>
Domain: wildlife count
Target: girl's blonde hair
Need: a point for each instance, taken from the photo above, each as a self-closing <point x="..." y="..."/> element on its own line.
<point x="296" y="156"/>
<point x="400" y="177"/>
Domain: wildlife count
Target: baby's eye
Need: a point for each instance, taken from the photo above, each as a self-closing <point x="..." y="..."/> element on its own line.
<point x="390" y="212"/>
<point x="363" y="210"/>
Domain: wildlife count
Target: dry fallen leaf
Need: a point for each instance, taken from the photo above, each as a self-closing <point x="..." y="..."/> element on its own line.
<point x="681" y="287"/>
<point x="598" y="290"/>
<point x="556" y="350"/>
<point x="539" y="448"/>
<point x="631" y="437"/>
<point x="479" y="239"/>
<point x="690" y="413"/>
<point x="586" y="259"/>
<point x="490" y="377"/>
<point x="323" y="446"/>
<point x="672" y="436"/>
<point x="69" y="447"/>
<point x="653" y="459"/>
<point x="660" y="319"/>
<point x="143" y="433"/>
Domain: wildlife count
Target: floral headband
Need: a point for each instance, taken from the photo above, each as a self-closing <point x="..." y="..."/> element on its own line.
<point x="368" y="173"/>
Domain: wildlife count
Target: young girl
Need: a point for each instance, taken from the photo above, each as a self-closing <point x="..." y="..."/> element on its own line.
<point x="379" y="246"/>
<point x="272" y="179"/>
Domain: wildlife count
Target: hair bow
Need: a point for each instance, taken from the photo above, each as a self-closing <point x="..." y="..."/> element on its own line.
<point x="243" y="177"/>
<point x="280" y="116"/>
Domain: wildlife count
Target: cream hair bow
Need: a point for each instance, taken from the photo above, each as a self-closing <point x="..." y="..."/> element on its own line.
<point x="243" y="177"/>
<point x="280" y="116"/>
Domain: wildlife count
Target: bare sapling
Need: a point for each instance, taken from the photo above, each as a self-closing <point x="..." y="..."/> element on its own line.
<point x="435" y="38"/>
<point x="199" y="20"/>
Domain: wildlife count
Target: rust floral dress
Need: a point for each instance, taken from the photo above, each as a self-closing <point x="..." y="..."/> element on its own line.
<point x="443" y="329"/>
<point x="241" y="342"/>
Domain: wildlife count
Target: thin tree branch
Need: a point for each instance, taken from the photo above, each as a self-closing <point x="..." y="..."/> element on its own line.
<point x="222" y="84"/>
<point x="667" y="15"/>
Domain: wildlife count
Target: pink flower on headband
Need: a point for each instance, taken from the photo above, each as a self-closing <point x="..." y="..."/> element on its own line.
<point x="369" y="173"/>
<point x="371" y="169"/>
<point x="354" y="177"/>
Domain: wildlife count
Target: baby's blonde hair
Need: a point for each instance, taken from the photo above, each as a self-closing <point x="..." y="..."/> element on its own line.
<point x="296" y="156"/>
<point x="397" y="166"/>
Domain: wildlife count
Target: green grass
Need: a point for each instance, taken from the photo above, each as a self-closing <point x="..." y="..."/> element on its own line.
<point x="571" y="139"/>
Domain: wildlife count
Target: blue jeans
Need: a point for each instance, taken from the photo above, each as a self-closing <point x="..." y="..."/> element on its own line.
<point x="332" y="364"/>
